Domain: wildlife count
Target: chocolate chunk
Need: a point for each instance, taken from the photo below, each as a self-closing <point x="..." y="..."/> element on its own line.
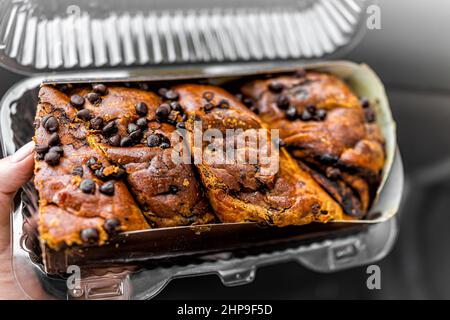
<point x="306" y="115"/>
<point x="132" y="127"/>
<point x="291" y="113"/>
<point x="171" y="95"/>
<point x="126" y="142"/>
<point x="311" y="109"/>
<point x="364" y="102"/>
<point x="276" y="87"/>
<point x="99" y="88"/>
<point x="153" y="140"/>
<point x="41" y="149"/>
<point x="283" y="102"/>
<point x="173" y="189"/>
<point x="93" y="97"/>
<point x="99" y="173"/>
<point x="119" y="174"/>
<point x="52" y="158"/>
<point x="184" y="117"/>
<point x="136" y="135"/>
<point x="208" y="96"/>
<point x="110" y="128"/>
<point x="87" y="186"/>
<point x="163" y="111"/>
<point x="63" y="88"/>
<point x="141" y="109"/>
<point x="328" y="159"/>
<point x="107" y="188"/>
<point x="112" y="226"/>
<point x="141" y="123"/>
<point x="175" y="106"/>
<point x="369" y="115"/>
<point x="223" y="104"/>
<point x="164" y="145"/>
<point x="93" y="163"/>
<point x="321" y="114"/>
<point x="78" y="171"/>
<point x="53" y="140"/>
<point x="97" y="123"/>
<point x="84" y="114"/>
<point x="77" y="101"/>
<point x="114" y="140"/>
<point x="57" y="149"/>
<point x="181" y="125"/>
<point x="51" y="124"/>
<point x="89" y="235"/>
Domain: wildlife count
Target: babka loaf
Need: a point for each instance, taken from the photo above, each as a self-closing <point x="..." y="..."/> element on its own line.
<point x="105" y="156"/>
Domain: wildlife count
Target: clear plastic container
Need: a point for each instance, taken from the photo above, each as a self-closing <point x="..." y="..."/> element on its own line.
<point x="136" y="42"/>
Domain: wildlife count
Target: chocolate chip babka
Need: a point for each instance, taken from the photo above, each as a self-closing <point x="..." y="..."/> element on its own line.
<point x="105" y="156"/>
<point x="331" y="133"/>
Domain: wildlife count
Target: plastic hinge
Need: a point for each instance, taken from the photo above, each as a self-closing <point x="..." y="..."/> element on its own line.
<point x="237" y="277"/>
<point x="101" y="288"/>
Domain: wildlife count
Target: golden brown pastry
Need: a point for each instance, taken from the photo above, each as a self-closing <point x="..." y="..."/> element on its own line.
<point x="240" y="192"/>
<point x="327" y="129"/>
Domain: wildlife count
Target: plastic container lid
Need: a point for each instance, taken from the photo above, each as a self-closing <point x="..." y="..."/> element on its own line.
<point x="55" y="35"/>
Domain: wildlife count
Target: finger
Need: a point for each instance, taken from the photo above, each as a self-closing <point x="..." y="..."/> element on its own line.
<point x="14" y="172"/>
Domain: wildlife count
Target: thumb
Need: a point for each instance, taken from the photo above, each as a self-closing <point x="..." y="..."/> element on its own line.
<point x="15" y="170"/>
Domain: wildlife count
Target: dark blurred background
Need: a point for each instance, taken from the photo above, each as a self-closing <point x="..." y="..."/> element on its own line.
<point x="411" y="53"/>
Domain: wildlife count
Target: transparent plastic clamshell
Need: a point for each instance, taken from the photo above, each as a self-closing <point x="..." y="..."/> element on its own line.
<point x="324" y="250"/>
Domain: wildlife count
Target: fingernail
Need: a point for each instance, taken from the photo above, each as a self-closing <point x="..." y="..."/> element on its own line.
<point x="23" y="152"/>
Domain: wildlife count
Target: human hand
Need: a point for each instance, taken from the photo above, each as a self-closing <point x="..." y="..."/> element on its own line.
<point x="15" y="170"/>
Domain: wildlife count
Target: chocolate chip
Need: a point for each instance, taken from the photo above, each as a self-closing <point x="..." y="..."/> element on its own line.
<point x="153" y="140"/>
<point x="248" y="102"/>
<point x="136" y="135"/>
<point x="87" y="186"/>
<point x="126" y="142"/>
<point x="111" y="226"/>
<point x="306" y="115"/>
<point x="328" y="159"/>
<point x="141" y="123"/>
<point x="110" y="128"/>
<point x="99" y="88"/>
<point x="173" y="189"/>
<point x="364" y="102"/>
<point x="175" y="106"/>
<point x="291" y="113"/>
<point x="89" y="235"/>
<point x="172" y="117"/>
<point x="53" y="140"/>
<point x="132" y="127"/>
<point x="57" y="149"/>
<point x="114" y="140"/>
<point x="99" y="173"/>
<point x="181" y="125"/>
<point x="369" y="114"/>
<point x="208" y="107"/>
<point x="107" y="188"/>
<point x="163" y="111"/>
<point x="92" y="97"/>
<point x="171" y="95"/>
<point x="276" y="87"/>
<point x="41" y="149"/>
<point x="208" y="96"/>
<point x="93" y="163"/>
<point x="51" y="124"/>
<point x="119" y="174"/>
<point x="97" y="123"/>
<point x="223" y="104"/>
<point x="63" y="88"/>
<point x="283" y="102"/>
<point x="77" y="101"/>
<point x="311" y="109"/>
<point x="78" y="171"/>
<point x="84" y="114"/>
<point x="184" y="117"/>
<point x="52" y="158"/>
<point x="164" y="145"/>
<point x="162" y="91"/>
<point x="141" y="109"/>
<point x="321" y="114"/>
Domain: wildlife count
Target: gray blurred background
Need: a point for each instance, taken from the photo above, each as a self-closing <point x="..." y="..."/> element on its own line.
<point x="411" y="53"/>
